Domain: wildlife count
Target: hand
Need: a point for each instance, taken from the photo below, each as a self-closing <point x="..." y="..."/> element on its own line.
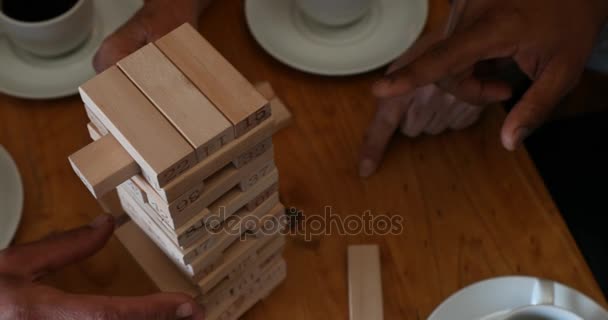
<point x="21" y="298"/>
<point x="428" y="109"/>
<point x="550" y="40"/>
<point x="154" y="20"/>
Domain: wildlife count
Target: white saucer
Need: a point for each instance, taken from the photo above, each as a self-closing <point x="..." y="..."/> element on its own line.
<point x="27" y="76"/>
<point x="11" y="198"/>
<point x="384" y="34"/>
<point x="490" y="299"/>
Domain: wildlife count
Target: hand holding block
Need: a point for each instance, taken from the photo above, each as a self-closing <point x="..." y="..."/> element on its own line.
<point x="190" y="112"/>
<point x="215" y="77"/>
<point x="365" y="283"/>
<point x="102" y="165"/>
<point x="161" y="152"/>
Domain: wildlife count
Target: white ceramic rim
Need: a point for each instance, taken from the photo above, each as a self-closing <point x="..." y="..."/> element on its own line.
<point x="449" y="299"/>
<point x="5" y="158"/>
<point x="323" y="72"/>
<point x="44" y="23"/>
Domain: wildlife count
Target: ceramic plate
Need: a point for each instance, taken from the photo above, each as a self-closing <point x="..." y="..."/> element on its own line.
<point x="490" y="299"/>
<point x="11" y="198"/>
<point x="384" y="34"/>
<point x="27" y="76"/>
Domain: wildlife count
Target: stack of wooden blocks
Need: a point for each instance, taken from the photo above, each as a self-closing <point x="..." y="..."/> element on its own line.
<point x="186" y="141"/>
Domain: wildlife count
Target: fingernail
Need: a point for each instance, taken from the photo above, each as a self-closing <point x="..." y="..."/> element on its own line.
<point x="380" y="86"/>
<point x="366" y="168"/>
<point x="100" y="221"/>
<point x="184" y="311"/>
<point x="520" y="135"/>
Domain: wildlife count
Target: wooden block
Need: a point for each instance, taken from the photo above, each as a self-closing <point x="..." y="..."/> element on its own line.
<point x="279" y="110"/>
<point x="204" y="193"/>
<point x="95" y="122"/>
<point x="231" y="93"/>
<point x="238" y="258"/>
<point x="138" y="215"/>
<point x="224" y="297"/>
<point x="212" y="245"/>
<point x="229" y="202"/>
<point x="253" y="153"/>
<point x="166" y="276"/>
<point x="365" y="283"/>
<point x="218" y="160"/>
<point x="111" y="204"/>
<point x="161" y="152"/>
<point x="102" y="166"/>
<point x="266" y="90"/>
<point x="245" y="220"/>
<point x="188" y="245"/>
<point x="190" y="112"/>
<point x="223" y="208"/>
<point x="153" y="261"/>
<point x="214" y="163"/>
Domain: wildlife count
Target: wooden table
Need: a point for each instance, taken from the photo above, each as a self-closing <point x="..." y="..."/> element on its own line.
<point x="471" y="210"/>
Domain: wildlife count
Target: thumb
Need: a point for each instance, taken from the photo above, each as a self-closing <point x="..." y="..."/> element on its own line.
<point x="555" y="81"/>
<point x="38" y="258"/>
<point x="161" y="306"/>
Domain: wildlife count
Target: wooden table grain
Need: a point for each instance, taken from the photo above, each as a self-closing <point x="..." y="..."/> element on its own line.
<point x="470" y="209"/>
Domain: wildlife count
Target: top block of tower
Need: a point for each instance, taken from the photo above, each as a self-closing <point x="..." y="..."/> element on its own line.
<point x="173" y="103"/>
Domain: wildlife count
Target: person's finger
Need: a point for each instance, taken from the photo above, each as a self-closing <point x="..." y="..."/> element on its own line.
<point x="448" y="58"/>
<point x="162" y="306"/>
<point x="126" y="40"/>
<point x="469" y="116"/>
<point x="477" y="91"/>
<point x="559" y="77"/>
<point x="449" y="110"/>
<point x="421" y="112"/>
<point x="424" y="43"/>
<point x="38" y="258"/>
<point x="383" y="126"/>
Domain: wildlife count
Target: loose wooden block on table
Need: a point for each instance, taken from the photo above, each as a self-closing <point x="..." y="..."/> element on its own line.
<point x="161" y="152"/>
<point x="101" y="166"/>
<point x="365" y="283"/>
<point x="189" y="110"/>
<point x="236" y="98"/>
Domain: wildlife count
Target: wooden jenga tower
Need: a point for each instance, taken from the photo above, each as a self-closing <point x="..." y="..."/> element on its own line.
<point x="187" y="142"/>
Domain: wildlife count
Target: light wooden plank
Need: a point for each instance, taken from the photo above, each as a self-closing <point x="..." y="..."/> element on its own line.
<point x="153" y="261"/>
<point x="102" y="166"/>
<point x="161" y="152"/>
<point x="365" y="283"/>
<point x="204" y="169"/>
<point x="215" y="77"/>
<point x="190" y="112"/>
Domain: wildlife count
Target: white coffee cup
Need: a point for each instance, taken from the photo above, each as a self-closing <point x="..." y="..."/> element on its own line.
<point x="52" y="37"/>
<point x="544" y="309"/>
<point x="334" y="12"/>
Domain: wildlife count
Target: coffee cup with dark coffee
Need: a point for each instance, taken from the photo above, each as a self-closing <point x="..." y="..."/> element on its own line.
<point x="46" y="28"/>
